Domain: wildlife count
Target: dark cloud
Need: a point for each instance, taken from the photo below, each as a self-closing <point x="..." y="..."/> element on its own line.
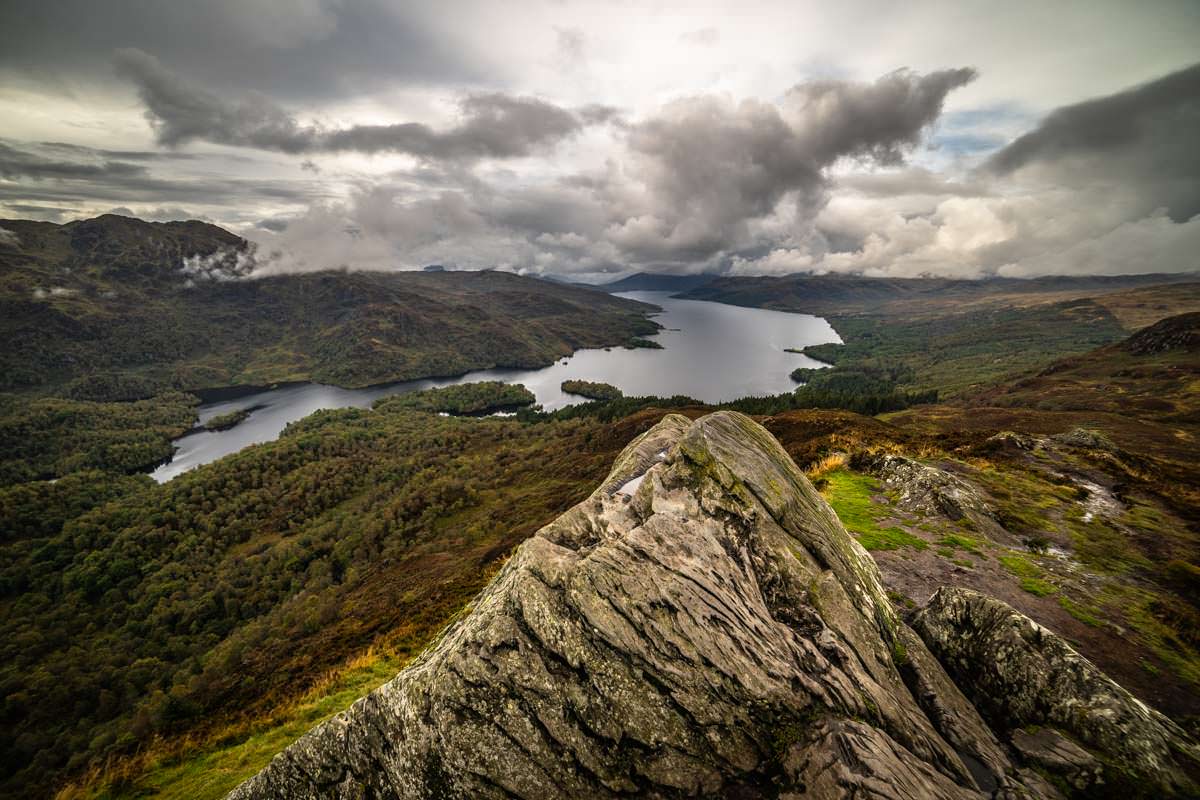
<point x="16" y="164"/>
<point x="711" y="168"/>
<point x="492" y="125"/>
<point x="298" y="50"/>
<point x="1146" y="135"/>
<point x="699" y="181"/>
<point x="274" y="224"/>
<point x="67" y="150"/>
<point x="38" y="175"/>
<point x="877" y="121"/>
<point x="32" y="211"/>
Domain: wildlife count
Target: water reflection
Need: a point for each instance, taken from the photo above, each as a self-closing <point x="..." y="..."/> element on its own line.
<point x="711" y="351"/>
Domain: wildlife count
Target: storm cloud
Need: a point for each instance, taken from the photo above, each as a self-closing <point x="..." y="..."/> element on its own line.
<point x="299" y="50"/>
<point x="586" y="139"/>
<point x="709" y="166"/>
<point x="701" y="179"/>
<point x="1146" y="135"/>
<point x="492" y="125"/>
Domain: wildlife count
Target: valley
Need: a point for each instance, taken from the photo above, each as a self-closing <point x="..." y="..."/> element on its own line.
<point x="473" y="401"/>
<point x="169" y="639"/>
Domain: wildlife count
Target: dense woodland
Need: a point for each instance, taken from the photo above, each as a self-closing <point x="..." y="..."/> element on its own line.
<point x="463" y="399"/>
<point x="131" y="609"/>
<point x="46" y="437"/>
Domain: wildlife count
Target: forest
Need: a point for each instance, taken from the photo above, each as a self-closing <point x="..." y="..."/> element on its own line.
<point x="132" y="610"/>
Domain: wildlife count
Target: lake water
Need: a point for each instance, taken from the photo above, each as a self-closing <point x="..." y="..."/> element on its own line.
<point x="711" y="351"/>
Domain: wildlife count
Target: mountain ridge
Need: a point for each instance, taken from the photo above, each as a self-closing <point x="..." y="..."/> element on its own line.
<point x="115" y="308"/>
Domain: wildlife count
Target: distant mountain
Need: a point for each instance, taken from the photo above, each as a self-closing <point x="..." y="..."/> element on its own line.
<point x="563" y="280"/>
<point x="115" y="308"/>
<point x="846" y="294"/>
<point x="654" y="282"/>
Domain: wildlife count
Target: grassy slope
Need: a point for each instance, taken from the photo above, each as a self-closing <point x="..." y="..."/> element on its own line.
<point x="102" y="309"/>
<point x="1122" y="498"/>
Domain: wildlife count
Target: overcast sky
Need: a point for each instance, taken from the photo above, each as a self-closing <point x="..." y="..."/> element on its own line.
<point x="599" y="138"/>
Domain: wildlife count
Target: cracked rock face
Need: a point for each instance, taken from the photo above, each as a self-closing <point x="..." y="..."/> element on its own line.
<point x="702" y="625"/>
<point x="1023" y="677"/>
<point x="927" y="490"/>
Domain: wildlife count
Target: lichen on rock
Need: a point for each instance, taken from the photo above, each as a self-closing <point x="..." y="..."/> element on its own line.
<point x="928" y="490"/>
<point x="1020" y="674"/>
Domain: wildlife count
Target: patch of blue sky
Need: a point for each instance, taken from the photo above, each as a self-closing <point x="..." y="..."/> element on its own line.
<point x="963" y="138"/>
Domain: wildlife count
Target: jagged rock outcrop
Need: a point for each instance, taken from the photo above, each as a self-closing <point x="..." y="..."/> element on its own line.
<point x="1085" y="439"/>
<point x="1022" y="677"/>
<point x="927" y="490"/>
<point x="702" y="625"/>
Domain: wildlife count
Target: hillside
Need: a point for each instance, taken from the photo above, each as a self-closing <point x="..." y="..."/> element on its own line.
<point x="1152" y="375"/>
<point x="655" y="282"/>
<point x="339" y="551"/>
<point x="224" y="594"/>
<point x="702" y="624"/>
<point x="848" y="294"/>
<point x="116" y="308"/>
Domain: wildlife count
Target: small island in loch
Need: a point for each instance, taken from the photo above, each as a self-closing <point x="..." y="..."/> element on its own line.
<point x="592" y="390"/>
<point x="223" y="422"/>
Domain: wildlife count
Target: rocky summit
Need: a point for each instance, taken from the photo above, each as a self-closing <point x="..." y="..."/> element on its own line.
<point x="703" y="625"/>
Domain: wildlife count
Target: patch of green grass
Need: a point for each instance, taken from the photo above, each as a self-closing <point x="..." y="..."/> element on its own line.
<point x="1020" y="565"/>
<point x="1028" y="573"/>
<point x="850" y="495"/>
<point x="215" y="772"/>
<point x="957" y="541"/>
<point x="1105" y="547"/>
<point x="891" y="538"/>
<point x="1164" y="638"/>
<point x="1037" y="586"/>
<point x="1085" y="614"/>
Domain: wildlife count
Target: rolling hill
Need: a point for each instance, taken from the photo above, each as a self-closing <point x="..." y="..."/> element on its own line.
<point x="116" y="308"/>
